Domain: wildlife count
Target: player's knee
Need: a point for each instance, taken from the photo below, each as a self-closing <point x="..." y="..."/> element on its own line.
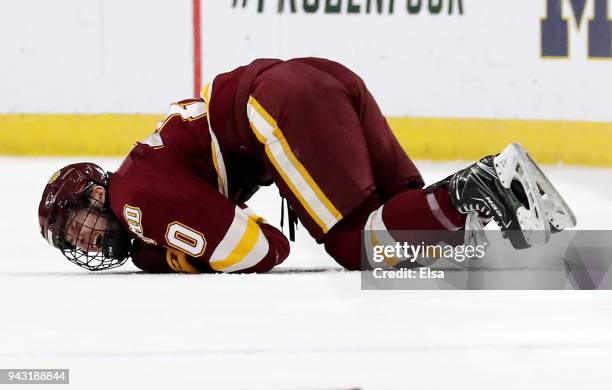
<point x="344" y="256"/>
<point x="344" y="241"/>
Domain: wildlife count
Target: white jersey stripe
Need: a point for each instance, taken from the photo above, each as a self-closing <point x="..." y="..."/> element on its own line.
<point x="376" y="234"/>
<point x="232" y="236"/>
<point x="243" y="246"/>
<point x="189" y="111"/>
<point x="216" y="150"/>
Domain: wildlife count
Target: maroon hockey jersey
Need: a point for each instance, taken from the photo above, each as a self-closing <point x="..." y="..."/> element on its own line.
<point x="171" y="197"/>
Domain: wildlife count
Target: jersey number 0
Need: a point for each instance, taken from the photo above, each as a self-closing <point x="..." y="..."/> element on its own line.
<point x="185" y="239"/>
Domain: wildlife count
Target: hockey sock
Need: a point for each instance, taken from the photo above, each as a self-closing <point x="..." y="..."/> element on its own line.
<point x="414" y="209"/>
<point x="420" y="210"/>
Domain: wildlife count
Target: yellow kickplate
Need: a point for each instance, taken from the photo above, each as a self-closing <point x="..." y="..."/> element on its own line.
<point x="581" y="143"/>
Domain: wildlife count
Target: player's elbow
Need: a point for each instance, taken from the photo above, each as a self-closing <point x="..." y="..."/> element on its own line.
<point x="258" y="250"/>
<point x="278" y="250"/>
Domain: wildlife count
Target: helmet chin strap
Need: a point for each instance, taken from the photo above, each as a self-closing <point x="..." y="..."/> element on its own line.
<point x="116" y="243"/>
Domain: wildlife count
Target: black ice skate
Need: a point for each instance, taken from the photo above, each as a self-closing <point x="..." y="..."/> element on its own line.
<point x="512" y="190"/>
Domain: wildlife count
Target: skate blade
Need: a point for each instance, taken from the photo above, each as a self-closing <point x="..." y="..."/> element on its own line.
<point x="513" y="164"/>
<point x="556" y="210"/>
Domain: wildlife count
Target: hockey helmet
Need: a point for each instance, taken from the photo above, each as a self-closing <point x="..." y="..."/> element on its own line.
<point x="67" y="193"/>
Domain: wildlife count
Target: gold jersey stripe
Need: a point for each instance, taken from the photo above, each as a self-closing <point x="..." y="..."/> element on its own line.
<point x="243" y="245"/>
<point x="241" y="250"/>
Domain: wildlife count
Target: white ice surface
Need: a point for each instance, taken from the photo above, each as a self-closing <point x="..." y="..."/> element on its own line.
<point x="298" y="330"/>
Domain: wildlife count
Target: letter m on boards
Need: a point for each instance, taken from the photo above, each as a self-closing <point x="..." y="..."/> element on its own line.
<point x="555" y="28"/>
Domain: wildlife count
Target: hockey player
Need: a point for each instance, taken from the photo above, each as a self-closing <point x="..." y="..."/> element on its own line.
<point x="308" y="125"/>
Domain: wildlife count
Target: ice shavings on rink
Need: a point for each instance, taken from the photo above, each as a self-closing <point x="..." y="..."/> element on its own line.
<point x="306" y="326"/>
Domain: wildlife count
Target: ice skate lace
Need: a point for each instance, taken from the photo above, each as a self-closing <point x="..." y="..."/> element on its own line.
<point x="466" y="208"/>
<point x="480" y="207"/>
